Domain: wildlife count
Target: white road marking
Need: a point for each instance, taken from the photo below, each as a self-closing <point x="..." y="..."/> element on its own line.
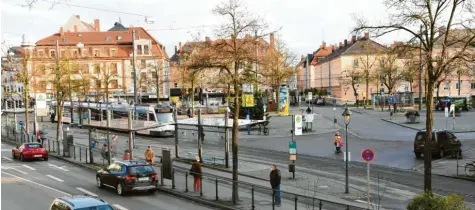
<point x="61" y="168"/>
<point x="119" y="207"/>
<point x="41" y="185"/>
<point x="6" y="150"/>
<point x="85" y="191"/>
<point x="28" y="167"/>
<point x="55" y="178"/>
<point x="19" y="170"/>
<point x="360" y="201"/>
<point x="7" y="158"/>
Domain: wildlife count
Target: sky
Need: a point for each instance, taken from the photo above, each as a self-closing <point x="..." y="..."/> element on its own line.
<point x="304" y="23"/>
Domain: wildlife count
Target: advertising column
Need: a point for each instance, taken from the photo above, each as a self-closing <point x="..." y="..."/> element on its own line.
<point x="284" y="101"/>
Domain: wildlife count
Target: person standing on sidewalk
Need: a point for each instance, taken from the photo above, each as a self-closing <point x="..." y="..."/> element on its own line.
<point x="149" y="155"/>
<point x="126" y="155"/>
<point x="196" y="172"/>
<point x="275" y="183"/>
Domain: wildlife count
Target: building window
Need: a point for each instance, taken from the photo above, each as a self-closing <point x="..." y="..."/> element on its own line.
<point x="113" y="68"/>
<point x="113" y="53"/>
<point x="145" y="50"/>
<point x="84" y="52"/>
<point x="472" y="85"/>
<point x="97" y="69"/>
<point x="40" y="54"/>
<point x="175" y="84"/>
<point x="85" y="68"/>
<point x="457" y="85"/>
<point x="355" y="63"/>
<point x="132" y="75"/>
<point x="52" y="53"/>
<point x="96" y="53"/>
<point x="114" y="84"/>
<point x="62" y="53"/>
<point x="154" y="75"/>
<point x="139" y="49"/>
<point x="75" y="53"/>
<point x="143" y="63"/>
<point x="98" y="83"/>
<point x="108" y="38"/>
<point x="446" y="86"/>
<point x="143" y="75"/>
<point x="119" y="37"/>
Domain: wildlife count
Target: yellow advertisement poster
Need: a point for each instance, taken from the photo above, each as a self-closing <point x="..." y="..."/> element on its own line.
<point x="247" y="100"/>
<point x="284" y="101"/>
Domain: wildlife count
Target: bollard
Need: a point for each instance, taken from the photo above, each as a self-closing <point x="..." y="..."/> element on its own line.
<point x="186" y="181"/>
<point x="320" y="205"/>
<point x="296" y="199"/>
<point x="173" y="178"/>
<point x="457" y="157"/>
<point x="348" y="207"/>
<point x="74" y="151"/>
<point x="201" y="185"/>
<point x="53" y="146"/>
<point x="86" y="154"/>
<point x="217" y="189"/>
<point x="80" y="155"/>
<point x="252" y="197"/>
<point x="59" y="152"/>
<point x="161" y="176"/>
<point x="49" y="146"/>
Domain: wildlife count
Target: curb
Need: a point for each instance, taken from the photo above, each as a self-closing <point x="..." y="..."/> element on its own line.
<point x="402" y="125"/>
<point x="457" y="177"/>
<point x="162" y="189"/>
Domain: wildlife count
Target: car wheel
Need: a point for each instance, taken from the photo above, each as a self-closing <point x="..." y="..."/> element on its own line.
<point x="119" y="189"/>
<point x="13" y="155"/>
<point x="152" y="191"/>
<point x="418" y="154"/>
<point x="99" y="182"/>
<point x="45" y="159"/>
<point x="441" y="153"/>
<point x="22" y="158"/>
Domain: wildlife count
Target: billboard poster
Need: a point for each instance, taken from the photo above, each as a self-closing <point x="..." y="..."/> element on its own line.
<point x="41" y="108"/>
<point x="284" y="101"/>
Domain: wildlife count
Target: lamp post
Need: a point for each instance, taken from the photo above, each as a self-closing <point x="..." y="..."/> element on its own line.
<point x="346" y="114"/>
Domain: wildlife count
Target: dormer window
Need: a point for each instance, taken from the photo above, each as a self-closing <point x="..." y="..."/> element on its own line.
<point x="79" y="35"/>
<point x="139" y="50"/>
<point x="108" y="38"/>
<point x="119" y="37"/>
<point x="145" y="50"/>
<point x="65" y="39"/>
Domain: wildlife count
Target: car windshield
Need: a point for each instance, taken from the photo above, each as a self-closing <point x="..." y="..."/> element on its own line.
<point x="35" y="146"/>
<point x="165" y="117"/>
<point x="141" y="170"/>
<point x="103" y="207"/>
<point x="422" y="135"/>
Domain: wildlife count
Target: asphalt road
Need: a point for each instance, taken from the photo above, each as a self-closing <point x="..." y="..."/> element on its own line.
<point x="39" y="182"/>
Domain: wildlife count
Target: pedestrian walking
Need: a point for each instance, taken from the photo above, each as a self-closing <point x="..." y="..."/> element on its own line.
<point x="338" y="142"/>
<point x="149" y="155"/>
<point x="195" y="171"/>
<point x="126" y="155"/>
<point x="275" y="183"/>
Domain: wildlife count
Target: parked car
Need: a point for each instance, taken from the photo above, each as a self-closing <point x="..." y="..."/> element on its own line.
<point x="80" y="202"/>
<point x="30" y="151"/>
<point x="443" y="143"/>
<point x="442" y="103"/>
<point x="128" y="176"/>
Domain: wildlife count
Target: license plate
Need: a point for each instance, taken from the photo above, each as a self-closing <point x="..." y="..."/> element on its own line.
<point x="143" y="179"/>
<point x="38" y="156"/>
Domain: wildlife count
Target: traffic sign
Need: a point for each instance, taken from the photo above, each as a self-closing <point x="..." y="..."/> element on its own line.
<point x="298" y="125"/>
<point x="292" y="150"/>
<point x="367" y="155"/>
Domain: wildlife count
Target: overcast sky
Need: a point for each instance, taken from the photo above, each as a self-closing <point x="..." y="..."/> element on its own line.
<point x="305" y="23"/>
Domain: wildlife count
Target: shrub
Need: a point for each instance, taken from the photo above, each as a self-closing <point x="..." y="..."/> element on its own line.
<point x="409" y="113"/>
<point x="427" y="201"/>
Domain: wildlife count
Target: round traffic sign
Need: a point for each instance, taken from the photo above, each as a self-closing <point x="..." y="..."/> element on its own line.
<point x="367" y="155"/>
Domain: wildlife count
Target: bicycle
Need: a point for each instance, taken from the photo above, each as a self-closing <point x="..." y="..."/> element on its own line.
<point x="470" y="169"/>
<point x="262" y="128"/>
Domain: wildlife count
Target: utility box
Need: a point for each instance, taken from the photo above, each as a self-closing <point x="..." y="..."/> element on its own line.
<point x="291" y="168"/>
<point x="67" y="141"/>
<point x="167" y="166"/>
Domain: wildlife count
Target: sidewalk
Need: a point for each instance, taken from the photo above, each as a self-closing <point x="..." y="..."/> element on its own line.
<point x="448" y="166"/>
<point x="463" y="123"/>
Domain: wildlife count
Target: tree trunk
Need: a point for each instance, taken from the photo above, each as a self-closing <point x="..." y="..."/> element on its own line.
<point x="459" y="83"/>
<point x="427" y="150"/>
<point x="235" y="148"/>
<point x="59" y="113"/>
<point x="367" y="89"/>
<point x="277" y="95"/>
<point x="107" y="92"/>
<point x="157" y="83"/>
<point x="25" y="98"/>
<point x="192" y="97"/>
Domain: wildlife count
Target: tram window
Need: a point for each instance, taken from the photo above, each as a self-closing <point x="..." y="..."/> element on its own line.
<point x="151" y="117"/>
<point x="142" y="116"/>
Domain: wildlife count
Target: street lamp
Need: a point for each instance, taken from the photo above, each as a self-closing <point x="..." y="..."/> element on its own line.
<point x="346" y="114"/>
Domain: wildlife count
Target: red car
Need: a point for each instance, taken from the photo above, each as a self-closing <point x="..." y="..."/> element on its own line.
<point x="30" y="151"/>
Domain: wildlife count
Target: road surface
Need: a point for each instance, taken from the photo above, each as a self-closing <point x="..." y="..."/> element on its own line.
<point x="34" y="185"/>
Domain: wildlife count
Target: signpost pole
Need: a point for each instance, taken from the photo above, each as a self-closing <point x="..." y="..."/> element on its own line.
<point x="446" y="110"/>
<point x="249" y="118"/>
<point x="334" y="118"/>
<point x="293" y="130"/>
<point x="369" y="186"/>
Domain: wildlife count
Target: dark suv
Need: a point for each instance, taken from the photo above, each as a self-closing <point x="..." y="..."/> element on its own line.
<point x="127" y="176"/>
<point x="443" y="143"/>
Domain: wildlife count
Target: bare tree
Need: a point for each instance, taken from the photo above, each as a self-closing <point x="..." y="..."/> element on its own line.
<point x="440" y="47"/>
<point x="366" y="62"/>
<point x="277" y="66"/>
<point x="154" y="69"/>
<point x="390" y="69"/>
<point x="353" y="77"/>
<point x="105" y="76"/>
<point x="229" y="54"/>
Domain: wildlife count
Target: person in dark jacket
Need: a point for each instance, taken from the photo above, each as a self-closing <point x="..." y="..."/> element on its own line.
<point x="196" y="172"/>
<point x="275" y="183"/>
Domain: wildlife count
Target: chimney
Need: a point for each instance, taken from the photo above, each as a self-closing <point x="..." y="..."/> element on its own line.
<point x="179" y="44"/>
<point x="324" y="45"/>
<point x="346" y="42"/>
<point x="97" y="25"/>
<point x="75" y="28"/>
<point x="366" y="35"/>
<point x="353" y="39"/>
<point x="61" y="31"/>
<point x="341" y="44"/>
<point x="271" y="40"/>
<point x="176" y="50"/>
<point x="207" y="39"/>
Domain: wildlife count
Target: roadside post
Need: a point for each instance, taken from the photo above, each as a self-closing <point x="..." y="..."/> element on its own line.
<point x="446" y="110"/>
<point x="334" y="117"/>
<point x="452" y="109"/>
<point x="309" y="98"/>
<point x="368" y="156"/>
<point x="296" y="130"/>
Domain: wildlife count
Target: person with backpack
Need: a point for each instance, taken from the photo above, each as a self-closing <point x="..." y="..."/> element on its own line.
<point x="338" y="141"/>
<point x="196" y="171"/>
